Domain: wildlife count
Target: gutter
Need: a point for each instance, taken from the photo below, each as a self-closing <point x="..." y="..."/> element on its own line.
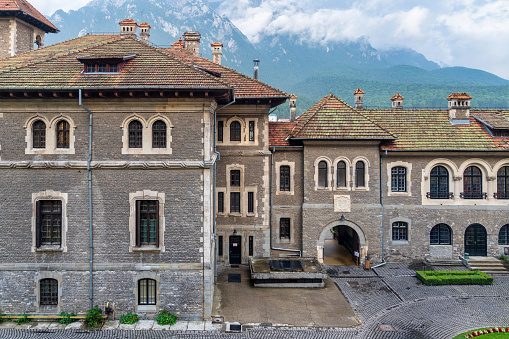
<point x="271" y="206"/>
<point x="89" y="170"/>
<point x="214" y="193"/>
<point x="383" y="211"/>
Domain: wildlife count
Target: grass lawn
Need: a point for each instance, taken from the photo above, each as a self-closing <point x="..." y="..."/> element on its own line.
<point x="484" y="336"/>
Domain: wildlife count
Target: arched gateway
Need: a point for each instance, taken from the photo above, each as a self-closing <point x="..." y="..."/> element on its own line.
<point x="327" y="234"/>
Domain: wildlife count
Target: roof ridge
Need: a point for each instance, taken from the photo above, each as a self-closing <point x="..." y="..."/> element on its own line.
<point x="325" y="100"/>
<point x="373" y="122"/>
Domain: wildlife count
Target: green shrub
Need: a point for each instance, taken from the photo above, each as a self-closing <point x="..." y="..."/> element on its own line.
<point x="454" y="278"/>
<point x="166" y="318"/>
<point x="22" y="319"/>
<point x="67" y="318"/>
<point x="94" y="317"/>
<point x="129" y="318"/>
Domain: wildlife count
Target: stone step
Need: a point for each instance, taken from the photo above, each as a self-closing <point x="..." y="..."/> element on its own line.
<point x="475" y="263"/>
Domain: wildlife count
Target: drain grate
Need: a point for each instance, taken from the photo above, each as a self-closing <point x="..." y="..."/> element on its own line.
<point x="235" y="278"/>
<point x="386" y="328"/>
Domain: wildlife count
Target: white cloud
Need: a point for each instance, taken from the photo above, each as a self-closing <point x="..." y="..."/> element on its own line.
<point x="48" y="7"/>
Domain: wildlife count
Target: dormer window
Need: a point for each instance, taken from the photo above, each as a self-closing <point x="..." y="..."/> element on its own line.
<point x="101" y="68"/>
<point x="103" y="64"/>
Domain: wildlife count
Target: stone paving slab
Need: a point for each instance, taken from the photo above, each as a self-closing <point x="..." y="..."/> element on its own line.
<point x="195" y="326"/>
<point x="111" y="325"/>
<point x="144" y="325"/>
<point x="57" y="326"/>
<point x="179" y="326"/>
<point x="348" y="271"/>
<point x="40" y="325"/>
<point x="398" y="269"/>
<point x="157" y="327"/>
<point x="75" y="326"/>
<point x="410" y="288"/>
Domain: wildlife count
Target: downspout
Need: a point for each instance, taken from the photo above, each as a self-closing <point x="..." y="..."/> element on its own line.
<point x="383" y="211"/>
<point x="89" y="170"/>
<point x="271" y="218"/>
<point x="214" y="198"/>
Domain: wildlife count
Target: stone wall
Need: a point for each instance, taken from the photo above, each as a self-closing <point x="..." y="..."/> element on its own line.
<point x="5" y="37"/>
<point x="24" y="38"/>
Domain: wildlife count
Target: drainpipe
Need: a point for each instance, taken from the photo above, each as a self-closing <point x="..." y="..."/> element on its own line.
<point x="89" y="170"/>
<point x="383" y="211"/>
<point x="271" y="218"/>
<point x="214" y="198"/>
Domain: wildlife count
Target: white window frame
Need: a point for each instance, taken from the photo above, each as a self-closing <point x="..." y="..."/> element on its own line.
<point x="290" y="164"/>
<point x="146" y="195"/>
<point x="408" y="177"/>
<point x="348" y="178"/>
<point x="367" y="166"/>
<point x="329" y="174"/>
<point x="50" y="195"/>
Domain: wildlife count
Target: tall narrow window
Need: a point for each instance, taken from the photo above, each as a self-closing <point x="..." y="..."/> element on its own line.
<point x="284" y="178"/>
<point x="439" y="183"/>
<point x="159" y="134"/>
<point x="220" y="131"/>
<point x="220" y="202"/>
<point x="398" y="179"/>
<point x="360" y="173"/>
<point x="135" y="134"/>
<point x="39" y="134"/>
<point x="147" y="292"/>
<point x="440" y="235"/>
<point x="322" y="174"/>
<point x="49" y="222"/>
<point x="400" y="231"/>
<point x="48" y="292"/>
<point x="251" y="245"/>
<point x="250" y="202"/>
<point x="62" y="134"/>
<point x="472" y="183"/>
<point x="341" y="174"/>
<point x="235" y="178"/>
<point x="251" y="130"/>
<point x="235" y="134"/>
<point x="235" y="202"/>
<point x="284" y="228"/>
<point x="147" y="222"/>
<point x="503" y="235"/>
<point x="503" y="183"/>
<point x="220" y="246"/>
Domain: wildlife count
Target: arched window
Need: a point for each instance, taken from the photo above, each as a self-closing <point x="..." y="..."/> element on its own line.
<point x="398" y="179"/>
<point x="472" y="183"/>
<point x="503" y="183"/>
<point x="62" y="134"/>
<point x="440" y="235"/>
<point x="322" y="174"/>
<point x="399" y="230"/>
<point x="503" y="235"/>
<point x="135" y="134"/>
<point x="439" y="183"/>
<point x="360" y="172"/>
<point x="146" y="292"/>
<point x="159" y="134"/>
<point x="341" y="174"/>
<point x="39" y="134"/>
<point x="48" y="292"/>
<point x="235" y="131"/>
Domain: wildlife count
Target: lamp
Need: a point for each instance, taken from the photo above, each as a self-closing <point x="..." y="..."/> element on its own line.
<point x="342" y="217"/>
<point x="234" y="231"/>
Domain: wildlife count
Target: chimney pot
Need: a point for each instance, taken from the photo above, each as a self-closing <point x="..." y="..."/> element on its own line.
<point x="256" y="69"/>
<point x="217" y="52"/>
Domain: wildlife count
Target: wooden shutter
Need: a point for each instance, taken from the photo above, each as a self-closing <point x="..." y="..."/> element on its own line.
<point x="138" y="220"/>
<point x="38" y="227"/>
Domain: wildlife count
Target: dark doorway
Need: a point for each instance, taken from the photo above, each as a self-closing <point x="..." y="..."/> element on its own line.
<point x="344" y="249"/>
<point x="235" y="249"/>
<point x="475" y="240"/>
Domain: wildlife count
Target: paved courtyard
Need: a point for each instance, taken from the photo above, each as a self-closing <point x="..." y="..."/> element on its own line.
<point x="389" y="301"/>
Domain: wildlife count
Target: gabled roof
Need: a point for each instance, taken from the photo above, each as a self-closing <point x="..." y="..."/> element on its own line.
<point x="358" y="91"/>
<point x="397" y="96"/>
<point x="463" y="96"/>
<point x="431" y="130"/>
<point x="57" y="66"/>
<point x="23" y="10"/>
<point x="494" y="119"/>
<point x="332" y="118"/>
<point x="245" y="86"/>
<point x="280" y="133"/>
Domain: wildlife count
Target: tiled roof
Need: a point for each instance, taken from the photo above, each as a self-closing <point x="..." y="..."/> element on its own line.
<point x="244" y="86"/>
<point x="463" y="96"/>
<point x="279" y="133"/>
<point x="127" y="22"/>
<point x="27" y="12"/>
<point x="56" y="66"/>
<point x="358" y="91"/>
<point x="397" y="96"/>
<point x="331" y="118"/>
<point x="293" y="96"/>
<point x="431" y="130"/>
<point x="216" y="44"/>
<point x="492" y="118"/>
<point x="178" y="44"/>
<point x="144" y="24"/>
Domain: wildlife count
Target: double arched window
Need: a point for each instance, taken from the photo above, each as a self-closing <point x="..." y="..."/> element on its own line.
<point x="63" y="134"/>
<point x="440" y="235"/>
<point x="135" y="134"/>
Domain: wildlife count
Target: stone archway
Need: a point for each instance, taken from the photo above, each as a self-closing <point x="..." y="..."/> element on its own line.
<point x="326" y="234"/>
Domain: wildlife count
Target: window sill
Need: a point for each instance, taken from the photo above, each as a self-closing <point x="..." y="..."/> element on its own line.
<point x="146" y="308"/>
<point x="251" y="214"/>
<point x="284" y="193"/>
<point x="360" y="189"/>
<point x="345" y="188"/>
<point x="399" y="194"/>
<point x="321" y="188"/>
<point x="284" y="240"/>
<point x="235" y="214"/>
<point x="49" y="248"/>
<point x="147" y="248"/>
<point x="400" y="242"/>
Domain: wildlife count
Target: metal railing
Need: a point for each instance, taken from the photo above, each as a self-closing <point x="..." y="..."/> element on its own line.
<point x="474" y="195"/>
<point x="440" y="195"/>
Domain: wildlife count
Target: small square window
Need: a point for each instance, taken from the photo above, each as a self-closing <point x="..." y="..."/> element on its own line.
<point x="102" y="68"/>
<point x="114" y="68"/>
<point x="90" y="68"/>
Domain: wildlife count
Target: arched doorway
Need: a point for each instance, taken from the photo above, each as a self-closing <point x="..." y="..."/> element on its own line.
<point x="348" y="234"/>
<point x="475" y="240"/>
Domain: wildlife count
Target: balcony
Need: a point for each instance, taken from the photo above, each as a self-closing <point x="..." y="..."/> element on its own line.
<point x="501" y="195"/>
<point x="473" y="195"/>
<point x="439" y="195"/>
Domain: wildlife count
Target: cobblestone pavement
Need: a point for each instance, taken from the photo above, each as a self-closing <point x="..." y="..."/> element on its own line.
<point x="389" y="300"/>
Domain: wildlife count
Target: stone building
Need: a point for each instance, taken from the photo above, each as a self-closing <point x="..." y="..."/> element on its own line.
<point x="21" y="26"/>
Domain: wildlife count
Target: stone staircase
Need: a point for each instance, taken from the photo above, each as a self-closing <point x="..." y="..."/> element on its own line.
<point x="487" y="265"/>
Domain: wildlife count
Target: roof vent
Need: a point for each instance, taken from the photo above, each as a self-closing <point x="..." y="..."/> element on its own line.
<point x="256" y="69"/>
<point x="459" y="108"/>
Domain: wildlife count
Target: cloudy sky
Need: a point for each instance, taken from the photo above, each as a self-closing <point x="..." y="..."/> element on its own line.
<point x="470" y="33"/>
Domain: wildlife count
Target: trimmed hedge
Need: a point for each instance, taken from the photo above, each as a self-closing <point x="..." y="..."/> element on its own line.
<point x="454" y="278"/>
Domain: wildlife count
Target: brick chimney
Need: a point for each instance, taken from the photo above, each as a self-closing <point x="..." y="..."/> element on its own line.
<point x="358" y="94"/>
<point x="293" y="106"/>
<point x="397" y="101"/>
<point x="128" y="27"/>
<point x="459" y="108"/>
<point x="217" y="52"/>
<point x="178" y="44"/>
<point x="192" y="42"/>
<point x="144" y="32"/>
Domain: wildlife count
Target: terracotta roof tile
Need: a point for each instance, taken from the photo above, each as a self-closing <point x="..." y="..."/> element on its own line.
<point x="463" y="96"/>
<point x="358" y="91"/>
<point x="27" y="11"/>
<point x="178" y="44"/>
<point x="332" y="118"/>
<point x="216" y="44"/>
<point x="397" y="96"/>
<point x="279" y="133"/>
<point x="492" y="118"/>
